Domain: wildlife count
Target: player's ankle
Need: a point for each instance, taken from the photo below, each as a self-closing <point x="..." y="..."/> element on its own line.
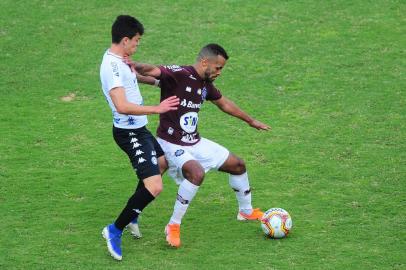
<point x="246" y="211"/>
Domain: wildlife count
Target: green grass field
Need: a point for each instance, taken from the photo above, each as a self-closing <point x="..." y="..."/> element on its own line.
<point x="328" y="76"/>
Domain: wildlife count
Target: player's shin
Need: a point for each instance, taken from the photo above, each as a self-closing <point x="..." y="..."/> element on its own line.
<point x="186" y="193"/>
<point x="137" y="202"/>
<point x="241" y="186"/>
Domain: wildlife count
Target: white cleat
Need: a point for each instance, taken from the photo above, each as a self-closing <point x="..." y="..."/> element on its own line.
<point x="134" y="230"/>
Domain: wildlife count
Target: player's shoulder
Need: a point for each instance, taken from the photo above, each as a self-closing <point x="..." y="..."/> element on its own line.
<point x="177" y="69"/>
<point x="109" y="58"/>
<point x="173" y="68"/>
<point x="112" y="63"/>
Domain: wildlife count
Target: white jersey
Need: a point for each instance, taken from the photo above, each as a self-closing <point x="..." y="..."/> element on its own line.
<point x="115" y="73"/>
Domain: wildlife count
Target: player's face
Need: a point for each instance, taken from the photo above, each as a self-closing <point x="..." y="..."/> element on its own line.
<point x="130" y="45"/>
<point x="214" y="67"/>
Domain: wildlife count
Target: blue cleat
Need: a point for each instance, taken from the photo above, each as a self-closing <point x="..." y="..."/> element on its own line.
<point x="113" y="238"/>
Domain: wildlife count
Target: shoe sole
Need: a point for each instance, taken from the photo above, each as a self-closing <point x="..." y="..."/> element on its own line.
<point x="242" y="218"/>
<point x="136" y="236"/>
<point x="105" y="235"/>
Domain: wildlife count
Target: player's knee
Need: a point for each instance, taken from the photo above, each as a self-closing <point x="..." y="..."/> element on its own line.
<point x="193" y="172"/>
<point x="158" y="189"/>
<point x="199" y="175"/>
<point x="155" y="189"/>
<point x="195" y="176"/>
<point x="154" y="185"/>
<point x="163" y="164"/>
<point x="240" y="167"/>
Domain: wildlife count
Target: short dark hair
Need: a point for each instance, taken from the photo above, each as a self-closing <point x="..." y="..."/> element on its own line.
<point x="125" y="26"/>
<point x="211" y="50"/>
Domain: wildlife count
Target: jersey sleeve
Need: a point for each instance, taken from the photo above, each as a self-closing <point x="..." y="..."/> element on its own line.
<point x="213" y="93"/>
<point x="167" y="80"/>
<point x="113" y="76"/>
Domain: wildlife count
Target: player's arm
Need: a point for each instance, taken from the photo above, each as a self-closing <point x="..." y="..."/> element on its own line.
<point x="229" y="107"/>
<point x="122" y="105"/>
<point x="141" y="78"/>
<point x="147" y="80"/>
<point x="147" y="70"/>
<point x="143" y="69"/>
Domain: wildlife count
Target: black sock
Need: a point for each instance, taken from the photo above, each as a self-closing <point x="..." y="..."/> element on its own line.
<point x="140" y="185"/>
<point x="137" y="202"/>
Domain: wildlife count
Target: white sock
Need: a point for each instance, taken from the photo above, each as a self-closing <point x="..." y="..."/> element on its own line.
<point x="241" y="186"/>
<point x="186" y="192"/>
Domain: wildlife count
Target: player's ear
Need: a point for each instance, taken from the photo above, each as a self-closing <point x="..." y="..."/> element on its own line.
<point x="124" y="40"/>
<point x="204" y="62"/>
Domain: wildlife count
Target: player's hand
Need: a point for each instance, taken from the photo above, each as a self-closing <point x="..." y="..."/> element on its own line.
<point x="169" y="104"/>
<point x="258" y="125"/>
<point x="127" y="60"/>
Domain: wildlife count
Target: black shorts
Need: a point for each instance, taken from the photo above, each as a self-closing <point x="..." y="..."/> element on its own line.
<point x="142" y="149"/>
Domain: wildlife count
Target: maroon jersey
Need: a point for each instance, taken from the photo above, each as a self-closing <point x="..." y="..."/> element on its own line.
<point x="180" y="126"/>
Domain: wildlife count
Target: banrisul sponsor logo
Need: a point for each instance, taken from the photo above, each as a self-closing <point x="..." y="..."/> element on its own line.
<point x="190" y="104"/>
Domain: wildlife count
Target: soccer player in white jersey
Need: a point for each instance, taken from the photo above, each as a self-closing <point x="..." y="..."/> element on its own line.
<point x="190" y="156"/>
<point x="122" y="93"/>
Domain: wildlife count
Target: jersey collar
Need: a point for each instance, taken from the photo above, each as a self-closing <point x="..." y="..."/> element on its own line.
<point x="113" y="54"/>
<point x="194" y="73"/>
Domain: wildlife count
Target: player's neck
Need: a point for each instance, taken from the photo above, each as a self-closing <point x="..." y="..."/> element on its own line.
<point x="199" y="70"/>
<point x="117" y="50"/>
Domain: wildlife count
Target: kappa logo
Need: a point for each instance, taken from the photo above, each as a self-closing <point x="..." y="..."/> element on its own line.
<point x="133" y="140"/>
<point x="136" y="210"/>
<point x="131" y="121"/>
<point x="131" y="134"/>
<point x="138" y="152"/>
<point x="179" y="152"/>
<point x="141" y="160"/>
<point x="153" y="153"/>
<point x="136" y="145"/>
<point x="170" y="131"/>
<point x="188" y="89"/>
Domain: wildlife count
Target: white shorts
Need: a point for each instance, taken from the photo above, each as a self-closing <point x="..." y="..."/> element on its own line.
<point x="209" y="154"/>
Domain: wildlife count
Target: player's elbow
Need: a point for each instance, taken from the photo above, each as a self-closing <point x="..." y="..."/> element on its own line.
<point x="122" y="108"/>
<point x="226" y="108"/>
<point x="155" y="72"/>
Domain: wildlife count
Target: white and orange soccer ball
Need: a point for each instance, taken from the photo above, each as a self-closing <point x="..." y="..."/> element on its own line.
<point x="276" y="223"/>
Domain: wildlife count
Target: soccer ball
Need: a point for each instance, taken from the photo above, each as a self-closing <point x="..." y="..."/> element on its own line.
<point x="276" y="223"/>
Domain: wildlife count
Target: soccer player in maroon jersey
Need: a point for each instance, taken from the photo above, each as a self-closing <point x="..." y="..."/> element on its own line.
<point x="189" y="155"/>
